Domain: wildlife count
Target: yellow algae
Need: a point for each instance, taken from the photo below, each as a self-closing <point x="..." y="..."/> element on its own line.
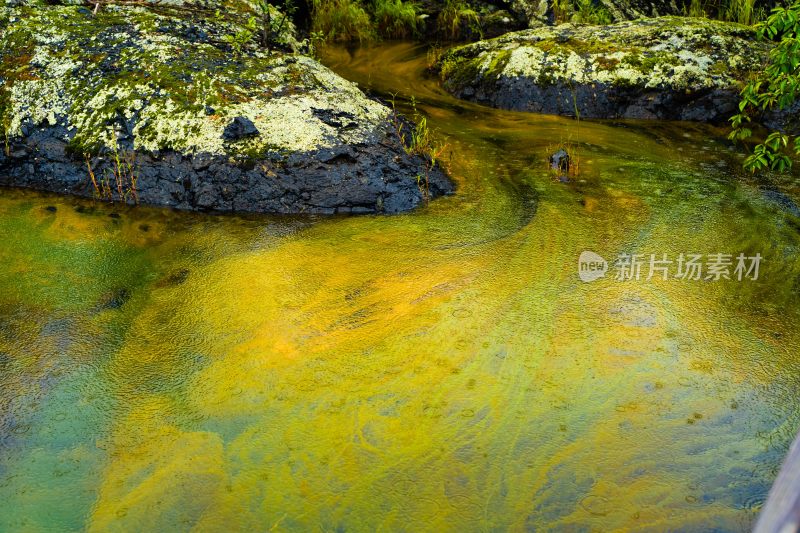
<point x="442" y="370"/>
<point x="168" y="480"/>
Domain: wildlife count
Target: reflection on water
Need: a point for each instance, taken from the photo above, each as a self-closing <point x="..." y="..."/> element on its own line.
<point x="439" y="370"/>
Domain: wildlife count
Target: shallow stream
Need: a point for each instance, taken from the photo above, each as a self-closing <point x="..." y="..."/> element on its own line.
<point x="444" y="369"/>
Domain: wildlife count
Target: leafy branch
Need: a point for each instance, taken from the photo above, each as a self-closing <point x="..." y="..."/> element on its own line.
<point x="777" y="86"/>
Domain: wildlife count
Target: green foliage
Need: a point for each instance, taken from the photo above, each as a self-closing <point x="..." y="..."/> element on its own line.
<point x="395" y="19"/>
<point x="267" y="29"/>
<point x="457" y="18"/>
<point x="341" y="21"/>
<point x="270" y="30"/>
<point x="696" y="10"/>
<point x="562" y="10"/>
<point x="421" y="142"/>
<point x="741" y="11"/>
<point x="587" y="12"/>
<point x="239" y="40"/>
<point x="580" y="11"/>
<point x="777" y="86"/>
<point x="315" y="41"/>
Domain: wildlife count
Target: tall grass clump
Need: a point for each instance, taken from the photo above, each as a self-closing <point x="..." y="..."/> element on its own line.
<point x="458" y="18"/>
<point x="120" y="177"/>
<point x="586" y="12"/>
<point x="562" y="10"/>
<point x="396" y="19"/>
<point x="418" y="139"/>
<point x="696" y="10"/>
<point x="341" y="21"/>
<point x="741" y="11"/>
<point x="580" y="11"/>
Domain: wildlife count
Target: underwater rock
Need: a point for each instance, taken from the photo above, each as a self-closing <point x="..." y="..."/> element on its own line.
<point x="782" y="201"/>
<point x="114" y="299"/>
<point x="141" y="103"/>
<point x="663" y="68"/>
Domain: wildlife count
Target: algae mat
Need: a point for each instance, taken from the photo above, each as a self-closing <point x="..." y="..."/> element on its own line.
<point x="440" y="370"/>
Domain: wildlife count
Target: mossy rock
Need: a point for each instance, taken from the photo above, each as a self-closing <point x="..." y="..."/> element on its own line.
<point x="667" y="68"/>
<point x="159" y="84"/>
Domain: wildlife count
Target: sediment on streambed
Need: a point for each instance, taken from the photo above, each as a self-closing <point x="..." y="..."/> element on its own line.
<point x="188" y="106"/>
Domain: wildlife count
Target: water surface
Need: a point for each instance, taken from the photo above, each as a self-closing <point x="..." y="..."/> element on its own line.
<point x="438" y="370"/>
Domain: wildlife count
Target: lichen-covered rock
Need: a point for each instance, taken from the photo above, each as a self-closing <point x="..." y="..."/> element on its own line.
<point x="535" y="13"/>
<point x="532" y="13"/>
<point x="180" y="104"/>
<point x="667" y="68"/>
<point x="621" y="10"/>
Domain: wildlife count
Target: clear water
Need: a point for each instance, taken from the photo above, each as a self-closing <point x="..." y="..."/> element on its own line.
<point x="438" y="370"/>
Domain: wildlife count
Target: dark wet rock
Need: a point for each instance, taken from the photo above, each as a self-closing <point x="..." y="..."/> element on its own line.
<point x="661" y="68"/>
<point x="786" y="120"/>
<point x="240" y="128"/>
<point x="175" y="278"/>
<point x="178" y="277"/>
<point x="635" y="9"/>
<point x="532" y="13"/>
<point x="559" y="161"/>
<point x="51" y="209"/>
<point x="114" y="299"/>
<point x="106" y="106"/>
<point x="782" y="201"/>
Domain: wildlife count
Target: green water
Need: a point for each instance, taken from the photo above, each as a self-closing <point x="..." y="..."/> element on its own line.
<point x="439" y="370"/>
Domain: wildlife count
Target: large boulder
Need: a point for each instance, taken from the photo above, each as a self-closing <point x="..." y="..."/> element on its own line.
<point x="664" y="68"/>
<point x="182" y="105"/>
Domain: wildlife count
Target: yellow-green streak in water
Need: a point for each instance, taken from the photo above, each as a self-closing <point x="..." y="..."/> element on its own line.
<point x="438" y="370"/>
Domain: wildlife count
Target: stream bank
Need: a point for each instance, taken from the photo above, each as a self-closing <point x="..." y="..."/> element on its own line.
<point x="169" y="105"/>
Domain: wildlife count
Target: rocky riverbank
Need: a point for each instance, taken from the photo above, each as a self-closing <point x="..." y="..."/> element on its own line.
<point x="183" y="105"/>
<point x="672" y="68"/>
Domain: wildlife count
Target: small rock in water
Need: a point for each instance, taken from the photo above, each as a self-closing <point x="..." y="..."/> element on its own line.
<point x="560" y="161"/>
<point x="178" y="277"/>
<point x="115" y="299"/>
<point x="240" y="128"/>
